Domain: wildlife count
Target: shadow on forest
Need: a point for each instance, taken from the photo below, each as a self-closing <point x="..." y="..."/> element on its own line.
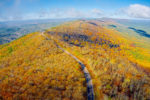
<point x="114" y="26"/>
<point x="78" y="40"/>
<point x="140" y="32"/>
<point x="93" y="23"/>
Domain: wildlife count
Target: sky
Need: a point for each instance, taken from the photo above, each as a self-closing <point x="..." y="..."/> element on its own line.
<point x="52" y="9"/>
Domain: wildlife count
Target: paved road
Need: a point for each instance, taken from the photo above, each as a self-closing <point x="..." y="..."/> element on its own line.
<point x="90" y="90"/>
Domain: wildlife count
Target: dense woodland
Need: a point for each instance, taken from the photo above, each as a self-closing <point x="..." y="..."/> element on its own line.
<point x="115" y="72"/>
<point x="33" y="67"/>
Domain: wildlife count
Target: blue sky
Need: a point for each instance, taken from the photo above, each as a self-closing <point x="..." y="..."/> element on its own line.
<point x="47" y="9"/>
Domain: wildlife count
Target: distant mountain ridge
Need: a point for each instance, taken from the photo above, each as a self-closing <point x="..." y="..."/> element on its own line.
<point x="12" y="30"/>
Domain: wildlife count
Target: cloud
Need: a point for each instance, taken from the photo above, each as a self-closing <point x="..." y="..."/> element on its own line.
<point x="17" y="11"/>
<point x="11" y="12"/>
<point x="73" y="13"/>
<point x="64" y="13"/>
<point x="137" y="11"/>
<point x="16" y="14"/>
<point x="68" y="13"/>
<point x="97" y="12"/>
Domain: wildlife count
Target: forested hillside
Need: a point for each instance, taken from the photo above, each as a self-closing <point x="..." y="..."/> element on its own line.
<point x="106" y="52"/>
<point x="34" y="68"/>
<point x="38" y="65"/>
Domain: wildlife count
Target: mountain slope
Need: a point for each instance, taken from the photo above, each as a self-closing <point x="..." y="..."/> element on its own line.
<point x="135" y="31"/>
<point x="38" y="68"/>
<point x="33" y="67"/>
<point x="105" y="52"/>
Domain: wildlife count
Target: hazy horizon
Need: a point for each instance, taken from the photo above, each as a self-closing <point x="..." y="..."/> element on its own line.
<point x="11" y="10"/>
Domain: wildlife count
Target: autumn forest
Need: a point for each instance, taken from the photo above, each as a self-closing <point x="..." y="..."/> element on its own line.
<point x="76" y="60"/>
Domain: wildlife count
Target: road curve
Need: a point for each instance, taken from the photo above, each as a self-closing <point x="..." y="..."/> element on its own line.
<point x="90" y="90"/>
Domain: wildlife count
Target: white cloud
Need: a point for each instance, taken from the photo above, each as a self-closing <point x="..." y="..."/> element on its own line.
<point x="66" y="13"/>
<point x="17" y="12"/>
<point x="53" y="13"/>
<point x="97" y="11"/>
<point x="75" y="13"/>
<point x="137" y="11"/>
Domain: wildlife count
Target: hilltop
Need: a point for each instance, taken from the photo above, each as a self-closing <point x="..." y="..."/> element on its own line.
<point x="38" y="68"/>
<point x="116" y="72"/>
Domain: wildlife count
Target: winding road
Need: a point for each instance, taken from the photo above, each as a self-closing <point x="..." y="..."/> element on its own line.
<point x="90" y="90"/>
